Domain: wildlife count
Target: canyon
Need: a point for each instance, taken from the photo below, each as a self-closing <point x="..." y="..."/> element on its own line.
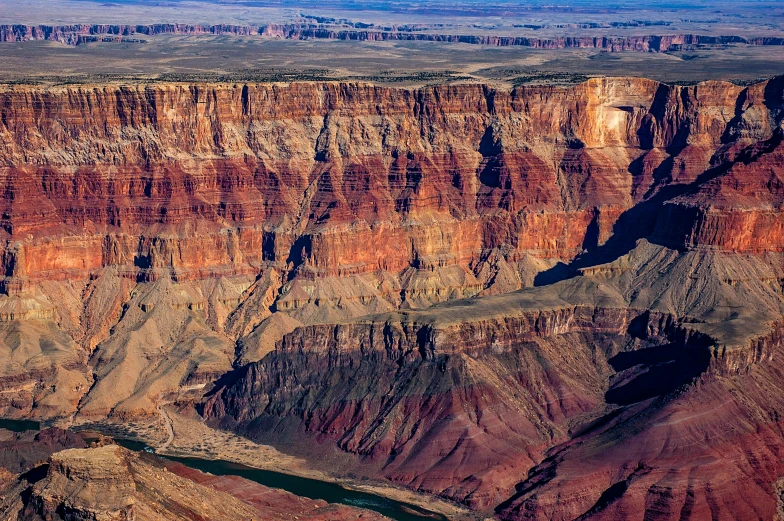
<point x="540" y="303"/>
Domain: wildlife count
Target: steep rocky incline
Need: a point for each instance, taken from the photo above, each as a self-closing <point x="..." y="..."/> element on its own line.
<point x="86" y="33"/>
<point x="713" y="452"/>
<point x="21" y="452"/>
<point x="327" y="201"/>
<point x="149" y="228"/>
<point x="465" y="399"/>
<point x="460" y="407"/>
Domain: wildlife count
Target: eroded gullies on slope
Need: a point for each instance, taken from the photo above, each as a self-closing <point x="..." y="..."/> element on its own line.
<point x="174" y="226"/>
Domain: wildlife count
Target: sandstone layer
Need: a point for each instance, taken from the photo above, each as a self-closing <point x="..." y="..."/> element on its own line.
<point x="464" y="399"/>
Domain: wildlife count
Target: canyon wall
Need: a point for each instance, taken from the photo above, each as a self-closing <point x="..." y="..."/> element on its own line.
<point x="110" y="483"/>
<point x="711" y="452"/>
<point x="185" y="219"/>
<point x="86" y="33"/>
<point x="455" y="407"/>
<point x="350" y="179"/>
<point x="527" y="403"/>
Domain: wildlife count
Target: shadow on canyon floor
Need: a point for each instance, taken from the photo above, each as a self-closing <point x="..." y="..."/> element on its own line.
<point x="640" y="221"/>
<point x="645" y="379"/>
<point x="654" y="371"/>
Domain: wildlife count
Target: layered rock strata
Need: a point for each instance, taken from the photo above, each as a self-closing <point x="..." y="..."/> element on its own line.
<point x="466" y="399"/>
<point x="459" y="408"/>
<point x="535" y="269"/>
<point x="712" y="452"/>
<point x="342" y="180"/>
<point x="87" y="33"/>
<point x="186" y="218"/>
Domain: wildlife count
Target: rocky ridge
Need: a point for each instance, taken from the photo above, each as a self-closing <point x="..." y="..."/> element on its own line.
<point x="486" y="388"/>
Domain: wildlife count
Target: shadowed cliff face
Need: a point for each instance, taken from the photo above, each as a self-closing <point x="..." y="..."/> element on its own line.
<point x="556" y="413"/>
<point x="468" y="291"/>
<point x="711" y="452"/>
<point x="458" y="410"/>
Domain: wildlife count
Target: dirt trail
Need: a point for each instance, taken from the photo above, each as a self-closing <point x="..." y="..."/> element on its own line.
<point x="169" y="428"/>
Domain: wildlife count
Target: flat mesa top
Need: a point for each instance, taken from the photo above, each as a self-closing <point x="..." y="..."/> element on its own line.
<point x="405" y="44"/>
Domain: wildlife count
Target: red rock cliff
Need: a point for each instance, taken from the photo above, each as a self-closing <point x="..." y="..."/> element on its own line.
<point x="341" y="179"/>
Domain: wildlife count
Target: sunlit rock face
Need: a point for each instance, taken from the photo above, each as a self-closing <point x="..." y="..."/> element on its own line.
<point x="349" y="179"/>
<point x="111" y="483"/>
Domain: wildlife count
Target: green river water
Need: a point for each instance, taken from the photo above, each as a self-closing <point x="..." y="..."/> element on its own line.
<point x="306" y="487"/>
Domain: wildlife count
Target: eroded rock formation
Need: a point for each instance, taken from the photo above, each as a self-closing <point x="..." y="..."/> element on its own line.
<point x="348" y="179"/>
<point x="459" y="289"/>
<point x="452" y="406"/>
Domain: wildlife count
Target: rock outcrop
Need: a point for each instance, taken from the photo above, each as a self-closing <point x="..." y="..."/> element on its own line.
<point x="111" y="483"/>
<point x="459" y="407"/>
<point x="21" y="452"/>
<point x="343" y="180"/>
<point x="712" y="452"/>
<point x="180" y="218"/>
<point x="465" y="399"/>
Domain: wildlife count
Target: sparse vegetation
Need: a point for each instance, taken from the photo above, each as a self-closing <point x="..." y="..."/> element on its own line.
<point x="249" y="76"/>
<point x="549" y="78"/>
<point x="746" y="83"/>
<point x="413" y="77"/>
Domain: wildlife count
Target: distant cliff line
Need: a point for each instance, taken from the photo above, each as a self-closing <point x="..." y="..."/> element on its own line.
<point x="85" y="33"/>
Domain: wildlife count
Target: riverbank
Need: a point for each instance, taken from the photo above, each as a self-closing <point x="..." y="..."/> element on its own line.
<point x="193" y="438"/>
<point x="224" y="454"/>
